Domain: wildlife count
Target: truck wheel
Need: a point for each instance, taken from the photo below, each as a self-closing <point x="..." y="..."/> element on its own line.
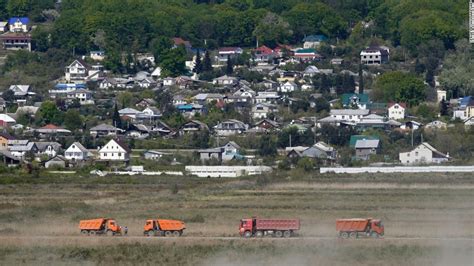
<point x="287" y="234"/>
<point x="180" y="232"/>
<point x="353" y="235"/>
<point x="84" y="232"/>
<point x="92" y="233"/>
<point x="175" y="233"/>
<point x="150" y="233"/>
<point x="259" y="234"/>
<point x="374" y="235"/>
<point x="344" y="235"/>
<point x="278" y="233"/>
<point x="168" y="233"/>
<point x="247" y="234"/>
<point x="110" y="233"/>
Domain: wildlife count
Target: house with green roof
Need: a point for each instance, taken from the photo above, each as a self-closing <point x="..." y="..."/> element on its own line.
<point x="350" y="100"/>
<point x="355" y="138"/>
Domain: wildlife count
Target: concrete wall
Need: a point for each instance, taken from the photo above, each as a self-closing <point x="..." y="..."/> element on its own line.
<point x="398" y="169"/>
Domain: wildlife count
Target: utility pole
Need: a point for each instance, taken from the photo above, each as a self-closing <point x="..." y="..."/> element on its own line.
<point x="290" y="140"/>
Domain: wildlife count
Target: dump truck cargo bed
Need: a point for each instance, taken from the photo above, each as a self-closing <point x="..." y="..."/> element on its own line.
<point x="355" y="225"/>
<point x="277" y="224"/>
<point x="171" y="225"/>
<point x="94" y="224"/>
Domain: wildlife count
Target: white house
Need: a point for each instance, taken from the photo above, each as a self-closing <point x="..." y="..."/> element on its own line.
<point x="3" y="26"/>
<point x="288" y="86"/>
<point x="262" y="110"/>
<point x="230" y="127"/>
<point x="82" y="95"/>
<point x="97" y="55"/>
<point x="77" y="72"/>
<point x="396" y="111"/>
<point x="228" y="52"/>
<point x="375" y="55"/>
<point x="76" y="152"/>
<point x="19" y="24"/>
<point x="423" y="154"/>
<point x="350" y="115"/>
<point x="114" y="150"/>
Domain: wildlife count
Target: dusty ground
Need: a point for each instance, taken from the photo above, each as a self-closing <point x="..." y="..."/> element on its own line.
<point x="427" y="222"/>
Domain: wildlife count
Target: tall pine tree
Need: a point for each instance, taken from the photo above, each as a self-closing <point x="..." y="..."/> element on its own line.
<point x="361" y="80"/>
<point x="207" y="64"/>
<point x="230" y="66"/>
<point x="116" y="117"/>
<point x="198" y="67"/>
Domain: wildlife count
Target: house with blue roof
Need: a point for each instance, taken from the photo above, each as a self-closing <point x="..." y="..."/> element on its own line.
<point x="314" y="41"/>
<point x="350" y="100"/>
<point x="19" y="24"/>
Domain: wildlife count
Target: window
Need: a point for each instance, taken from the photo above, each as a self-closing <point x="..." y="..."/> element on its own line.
<point x="416" y="153"/>
<point x="120" y="154"/>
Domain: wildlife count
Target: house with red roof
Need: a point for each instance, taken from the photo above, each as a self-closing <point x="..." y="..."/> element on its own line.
<point x="396" y="111"/>
<point x="177" y="41"/>
<point x="263" y="54"/>
<point x="228" y="52"/>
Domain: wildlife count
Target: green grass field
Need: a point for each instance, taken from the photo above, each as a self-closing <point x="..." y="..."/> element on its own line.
<point x="429" y="220"/>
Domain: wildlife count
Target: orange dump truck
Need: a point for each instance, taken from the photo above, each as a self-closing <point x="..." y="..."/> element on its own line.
<point x="353" y="228"/>
<point x="160" y="227"/>
<point x="100" y="226"/>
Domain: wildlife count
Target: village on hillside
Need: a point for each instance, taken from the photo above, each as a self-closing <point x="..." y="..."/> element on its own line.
<point x="235" y="106"/>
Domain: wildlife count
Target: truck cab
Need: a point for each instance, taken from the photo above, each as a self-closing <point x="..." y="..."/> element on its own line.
<point x="112" y="225"/>
<point x="150" y="225"/>
<point x="246" y="225"/>
<point x="377" y="226"/>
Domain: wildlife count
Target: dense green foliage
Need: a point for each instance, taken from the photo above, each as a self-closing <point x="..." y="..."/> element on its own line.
<point x="400" y="87"/>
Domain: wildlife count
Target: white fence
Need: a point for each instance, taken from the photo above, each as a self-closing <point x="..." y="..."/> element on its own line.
<point x="226" y="171"/>
<point x="398" y="169"/>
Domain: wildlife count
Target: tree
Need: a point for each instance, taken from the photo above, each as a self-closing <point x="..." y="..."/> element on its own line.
<point x="458" y="71"/>
<point x="173" y="62"/>
<point x="272" y="29"/>
<point x="267" y="146"/>
<point x="400" y="87"/>
<point x="160" y="46"/>
<point x="207" y="64"/>
<point x="116" y="120"/>
<point x="49" y="113"/>
<point x="198" y="66"/>
<point x="443" y="107"/>
<point x="229" y="67"/>
<point x="18" y="7"/>
<point x="361" y="79"/>
<point x="125" y="98"/>
<point x="73" y="120"/>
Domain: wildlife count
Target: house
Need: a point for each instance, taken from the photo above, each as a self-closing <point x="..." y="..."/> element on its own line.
<point x="313" y="41"/>
<point x="177" y="41"/>
<point x="138" y="131"/>
<point x="104" y="130"/>
<point x="149" y="114"/>
<point x="156" y="74"/>
<point x="263" y="54"/>
<point x="4" y="138"/>
<point x="264" y="126"/>
<point x="396" y="111"/>
<point x="348" y="116"/>
<point x="205" y="98"/>
<point x="228" y="52"/>
<point x="18" y="37"/>
<point x="57" y="161"/>
<point x="154" y="155"/>
<point x="52" y="130"/>
<point x="3" y="104"/>
<point x="76" y="152"/>
<point x="351" y="100"/>
<point x="162" y="129"/>
<point x="230" y="127"/>
<point x="311" y="71"/>
<point x="61" y="90"/>
<point x="19" y="24"/>
<point x="375" y="55"/>
<point x="268" y="84"/>
<point x="129" y="112"/>
<point x="193" y="126"/>
<point x="355" y="138"/>
<point x="169" y="82"/>
<point x="226" y="81"/>
<point x="179" y="100"/>
<point x="97" y="55"/>
<point x="146" y="83"/>
<point x="267" y="96"/>
<point x="287" y="87"/>
<point x="190" y="110"/>
<point x="3" y="26"/>
<point x="20" y="148"/>
<point x="436" y="125"/>
<point x="227" y="152"/>
<point x="8" y="158"/>
<point x="262" y="110"/>
<point x="146" y="102"/>
<point x="320" y="150"/>
<point x="366" y="147"/>
<point x="21" y="93"/>
<point x="77" y="72"/>
<point x="108" y="83"/>
<point x="49" y="149"/>
<point x="114" y="150"/>
<point x="423" y="154"/>
<point x="306" y="55"/>
<point x="6" y="121"/>
<point x="411" y="125"/>
<point x="83" y="96"/>
<point x="337" y="61"/>
<point x="242" y="95"/>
